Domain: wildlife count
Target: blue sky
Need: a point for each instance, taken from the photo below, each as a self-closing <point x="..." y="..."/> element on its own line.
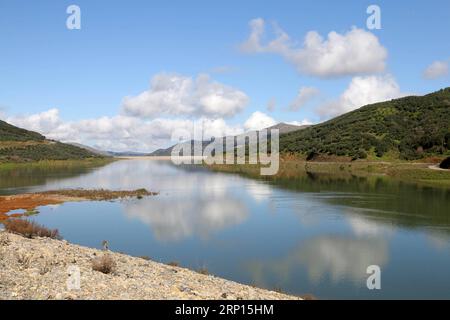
<point x="86" y="74"/>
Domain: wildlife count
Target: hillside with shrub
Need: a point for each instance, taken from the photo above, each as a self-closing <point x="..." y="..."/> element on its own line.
<point x="20" y="145"/>
<point x="408" y="128"/>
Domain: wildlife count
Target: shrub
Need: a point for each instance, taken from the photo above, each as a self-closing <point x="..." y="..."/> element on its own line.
<point x="30" y="229"/>
<point x="445" y="164"/>
<point x="104" y="264"/>
<point x="203" y="271"/>
<point x="173" y="264"/>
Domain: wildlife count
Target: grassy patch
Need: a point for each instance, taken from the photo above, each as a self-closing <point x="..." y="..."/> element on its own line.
<point x="100" y="194"/>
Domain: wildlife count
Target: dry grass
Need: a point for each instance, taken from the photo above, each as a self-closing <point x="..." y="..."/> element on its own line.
<point x="23" y="259"/>
<point x="104" y="264"/>
<point x="4" y="239"/>
<point x="147" y="258"/>
<point x="203" y="271"/>
<point x="30" y="229"/>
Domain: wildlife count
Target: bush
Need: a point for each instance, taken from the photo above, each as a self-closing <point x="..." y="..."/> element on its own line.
<point x="445" y="164"/>
<point x="105" y="264"/>
<point x="30" y="229"/>
<point x="203" y="271"/>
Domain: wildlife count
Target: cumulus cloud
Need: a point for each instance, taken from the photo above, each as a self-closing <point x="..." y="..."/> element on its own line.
<point x="118" y="133"/>
<point x="305" y="94"/>
<point x="437" y="69"/>
<point x="362" y="91"/>
<point x="126" y="133"/>
<point x="259" y="120"/>
<point x="173" y="94"/>
<point x="355" y="52"/>
<point x="40" y="122"/>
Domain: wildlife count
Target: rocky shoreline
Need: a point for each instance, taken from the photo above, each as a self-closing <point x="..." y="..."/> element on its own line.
<point x="44" y="268"/>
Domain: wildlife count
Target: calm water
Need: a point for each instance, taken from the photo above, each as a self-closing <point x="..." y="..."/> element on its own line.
<point x="314" y="234"/>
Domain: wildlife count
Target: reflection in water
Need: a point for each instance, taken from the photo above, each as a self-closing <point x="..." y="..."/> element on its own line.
<point x="364" y="227"/>
<point x="17" y="179"/>
<point x="379" y="198"/>
<point x="309" y="234"/>
<point x="174" y="221"/>
<point x="340" y="258"/>
<point x="331" y="258"/>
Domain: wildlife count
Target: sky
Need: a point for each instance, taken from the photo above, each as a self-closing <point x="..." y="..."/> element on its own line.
<point x="137" y="72"/>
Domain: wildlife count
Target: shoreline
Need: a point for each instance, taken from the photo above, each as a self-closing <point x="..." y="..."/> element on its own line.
<point x="29" y="202"/>
<point x="422" y="173"/>
<point x="42" y="268"/>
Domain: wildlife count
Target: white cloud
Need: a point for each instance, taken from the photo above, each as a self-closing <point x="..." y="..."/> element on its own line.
<point x="363" y="91"/>
<point x="436" y="70"/>
<point x="253" y="43"/>
<point x="172" y="94"/>
<point x="258" y="121"/>
<point x="305" y="94"/>
<point x="118" y="133"/>
<point x="125" y="133"/>
<point x="40" y="122"/>
<point x="355" y="52"/>
<point x="304" y="122"/>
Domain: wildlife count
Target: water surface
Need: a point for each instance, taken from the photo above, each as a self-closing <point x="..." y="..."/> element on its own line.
<point x="314" y="234"/>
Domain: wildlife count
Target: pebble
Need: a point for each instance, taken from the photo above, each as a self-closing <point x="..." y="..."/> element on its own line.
<point x="49" y="274"/>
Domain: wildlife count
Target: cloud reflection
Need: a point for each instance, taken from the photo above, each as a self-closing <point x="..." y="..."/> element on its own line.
<point x="329" y="257"/>
<point x="176" y="220"/>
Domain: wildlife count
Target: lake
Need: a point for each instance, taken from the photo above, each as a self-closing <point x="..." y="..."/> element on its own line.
<point x="313" y="234"/>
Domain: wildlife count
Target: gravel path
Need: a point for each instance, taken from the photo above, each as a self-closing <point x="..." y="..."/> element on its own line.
<point x="42" y="268"/>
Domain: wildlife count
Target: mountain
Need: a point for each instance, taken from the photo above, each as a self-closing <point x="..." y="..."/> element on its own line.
<point x="20" y="145"/>
<point x="91" y="149"/>
<point x="286" y="128"/>
<point x="283" y="127"/>
<point x="127" y="154"/>
<point x="168" y="151"/>
<point x="407" y="128"/>
<point x="9" y="132"/>
<point x="109" y="153"/>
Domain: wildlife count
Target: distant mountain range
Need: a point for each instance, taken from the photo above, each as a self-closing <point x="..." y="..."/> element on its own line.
<point x="282" y="127"/>
<point x="109" y="153"/>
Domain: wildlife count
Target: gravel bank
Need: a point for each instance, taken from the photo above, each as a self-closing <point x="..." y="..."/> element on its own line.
<point x="41" y="268"/>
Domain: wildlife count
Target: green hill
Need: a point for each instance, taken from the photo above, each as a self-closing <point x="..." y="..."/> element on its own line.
<point x="9" y="132"/>
<point x="20" y="145"/>
<point x="407" y="128"/>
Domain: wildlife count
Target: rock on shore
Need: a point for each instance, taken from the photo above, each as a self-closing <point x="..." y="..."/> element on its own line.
<point x="41" y="268"/>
